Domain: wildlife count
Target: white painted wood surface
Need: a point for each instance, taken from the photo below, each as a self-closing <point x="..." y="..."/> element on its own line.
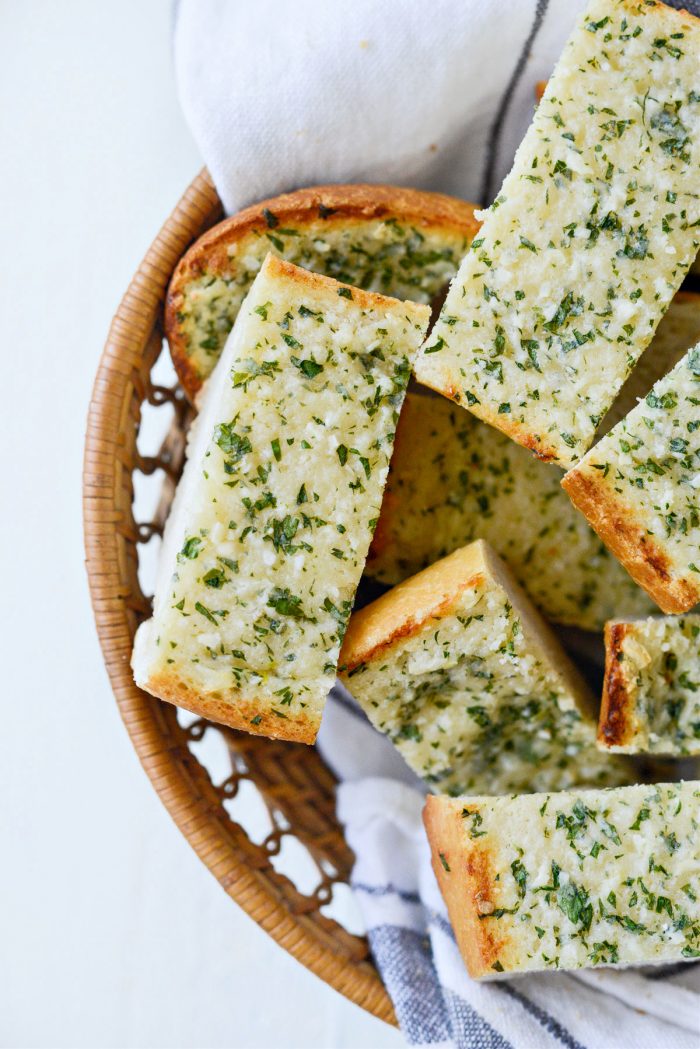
<point x="111" y="931"/>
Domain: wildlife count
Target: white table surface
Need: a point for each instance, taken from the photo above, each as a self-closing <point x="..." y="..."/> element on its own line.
<point x="112" y="933"/>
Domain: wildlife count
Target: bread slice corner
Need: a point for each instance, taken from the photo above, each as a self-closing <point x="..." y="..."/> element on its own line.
<point x="465" y="883"/>
<point x="570" y="880"/>
<point x="458" y="669"/>
<point x="636" y="487"/>
<point x="651" y="701"/>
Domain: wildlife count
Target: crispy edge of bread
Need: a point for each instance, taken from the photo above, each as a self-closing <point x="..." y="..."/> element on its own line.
<point x="637" y="551"/>
<point x="616" y="725"/>
<point x="319" y="283"/>
<point x="334" y="204"/>
<point x="517" y="432"/>
<point x="404" y="610"/>
<point x="468" y="882"/>
<point x="299" y="728"/>
<point x="432" y="594"/>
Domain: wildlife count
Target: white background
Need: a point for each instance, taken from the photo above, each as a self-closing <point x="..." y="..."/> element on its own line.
<point x="111" y="931"/>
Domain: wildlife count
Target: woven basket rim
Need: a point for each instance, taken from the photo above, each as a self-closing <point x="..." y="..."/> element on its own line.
<point x="104" y="470"/>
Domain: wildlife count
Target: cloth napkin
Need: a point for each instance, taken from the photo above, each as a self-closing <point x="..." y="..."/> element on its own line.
<point x="380" y="803"/>
<point x="430" y="94"/>
<point x="436" y="95"/>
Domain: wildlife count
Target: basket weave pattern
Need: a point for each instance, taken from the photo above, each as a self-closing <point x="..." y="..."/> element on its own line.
<point x="297" y="789"/>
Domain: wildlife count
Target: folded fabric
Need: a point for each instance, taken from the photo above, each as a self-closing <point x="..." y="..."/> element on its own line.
<point x="436" y="1002"/>
<point x="437" y="96"/>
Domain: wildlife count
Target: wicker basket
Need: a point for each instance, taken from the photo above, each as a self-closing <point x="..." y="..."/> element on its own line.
<point x="292" y="781"/>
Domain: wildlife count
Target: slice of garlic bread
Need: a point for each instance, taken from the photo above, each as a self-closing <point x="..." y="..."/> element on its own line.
<point x="651" y="693"/>
<point x="570" y="880"/>
<point x="591" y="235"/>
<point x="458" y="669"/>
<point x="401" y="242"/>
<point x="273" y="517"/>
<point x="639" y="488"/>
<point x="678" y="331"/>
<point x="454" y="479"/>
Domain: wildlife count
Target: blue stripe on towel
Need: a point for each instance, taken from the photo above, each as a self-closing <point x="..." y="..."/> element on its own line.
<point x="405" y="961"/>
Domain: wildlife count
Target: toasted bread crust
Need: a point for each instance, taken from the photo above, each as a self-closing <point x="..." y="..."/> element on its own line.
<point x="509" y="917"/>
<point x="318" y="282"/>
<point x="235" y="713"/>
<point x="544" y="452"/>
<point x="616" y="724"/>
<point x="635" y="549"/>
<point x="468" y="887"/>
<point x="382" y="626"/>
<point x="334" y="204"/>
<point x="404" y="610"/>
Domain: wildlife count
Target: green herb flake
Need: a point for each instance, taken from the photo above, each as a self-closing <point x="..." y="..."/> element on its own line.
<point x="286" y="603"/>
<point x="309" y="368"/>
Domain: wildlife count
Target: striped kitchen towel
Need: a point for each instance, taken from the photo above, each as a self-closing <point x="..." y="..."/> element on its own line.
<point x="437" y="1004"/>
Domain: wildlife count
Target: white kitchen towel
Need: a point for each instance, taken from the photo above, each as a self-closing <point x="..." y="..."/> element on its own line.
<point x="437" y="1004"/>
<point x="436" y="94"/>
<point x="282" y="94"/>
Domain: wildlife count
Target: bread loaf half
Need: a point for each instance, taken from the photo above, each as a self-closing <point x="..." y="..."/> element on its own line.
<point x="401" y="242"/>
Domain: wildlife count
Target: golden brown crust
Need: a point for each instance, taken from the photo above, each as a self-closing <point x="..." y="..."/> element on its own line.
<point x="318" y="282"/>
<point x="468" y="886"/>
<point x="616" y="724"/>
<point x="383" y="627"/>
<point x="545" y="453"/>
<point x="635" y="549"/>
<point x="432" y="594"/>
<point x="335" y="204"/>
<point x="404" y="610"/>
<point x="234" y="712"/>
